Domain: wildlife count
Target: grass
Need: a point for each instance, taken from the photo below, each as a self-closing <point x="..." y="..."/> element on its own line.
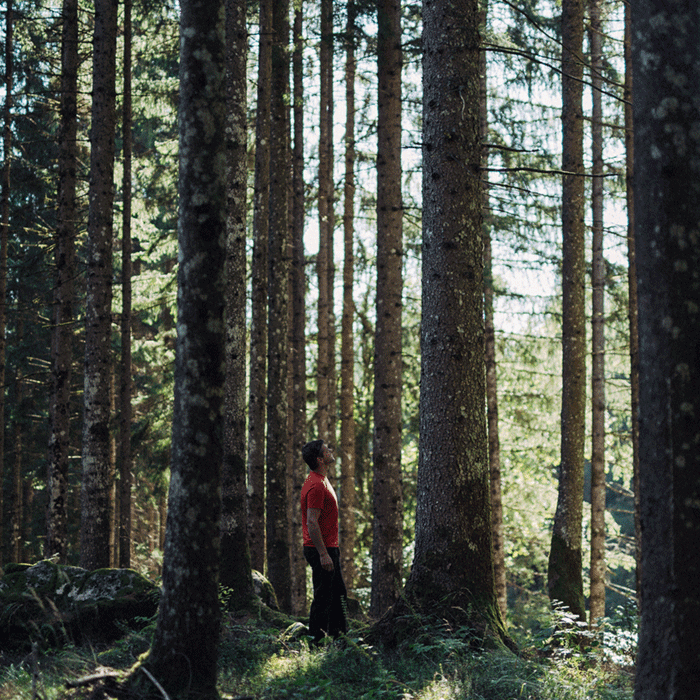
<point x="262" y="660"/>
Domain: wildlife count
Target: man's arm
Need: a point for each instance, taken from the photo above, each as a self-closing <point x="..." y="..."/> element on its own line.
<point x="312" y="515"/>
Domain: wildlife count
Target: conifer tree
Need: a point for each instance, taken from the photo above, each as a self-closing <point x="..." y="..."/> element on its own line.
<point x="565" y="573"/>
<point x="97" y="481"/>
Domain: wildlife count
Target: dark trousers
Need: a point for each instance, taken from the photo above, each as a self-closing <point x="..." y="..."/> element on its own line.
<point x="327" y="614"/>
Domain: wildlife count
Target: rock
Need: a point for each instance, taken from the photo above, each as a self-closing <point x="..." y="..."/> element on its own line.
<point x="53" y="604"/>
<point x="264" y="590"/>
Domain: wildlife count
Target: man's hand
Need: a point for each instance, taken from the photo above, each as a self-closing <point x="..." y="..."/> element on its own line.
<point x="327" y="562"/>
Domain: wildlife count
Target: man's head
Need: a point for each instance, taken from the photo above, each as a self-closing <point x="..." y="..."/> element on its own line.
<point x="311" y="452"/>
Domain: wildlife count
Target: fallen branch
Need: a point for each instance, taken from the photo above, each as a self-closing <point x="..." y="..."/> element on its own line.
<point x="87" y="680"/>
<point x="155" y="682"/>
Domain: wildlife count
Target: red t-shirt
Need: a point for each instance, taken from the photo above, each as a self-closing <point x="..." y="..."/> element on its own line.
<point x="318" y="493"/>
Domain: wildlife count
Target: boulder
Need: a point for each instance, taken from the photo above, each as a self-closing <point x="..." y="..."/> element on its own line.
<point x="53" y="604"/>
<point x="264" y="590"/>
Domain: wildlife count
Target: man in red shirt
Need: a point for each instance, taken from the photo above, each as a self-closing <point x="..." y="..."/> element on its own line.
<point x="319" y="524"/>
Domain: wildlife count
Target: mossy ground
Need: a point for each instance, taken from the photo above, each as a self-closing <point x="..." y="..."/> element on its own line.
<point x="265" y="658"/>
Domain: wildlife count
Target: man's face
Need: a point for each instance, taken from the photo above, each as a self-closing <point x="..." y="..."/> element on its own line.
<point x="327" y="456"/>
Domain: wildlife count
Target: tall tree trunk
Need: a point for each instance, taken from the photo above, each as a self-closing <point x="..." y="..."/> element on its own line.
<point x="62" y="315"/>
<point x="633" y="303"/>
<point x="235" y="555"/>
<point x="564" y="576"/>
<point x="326" y="223"/>
<point x="97" y="473"/>
<point x="277" y="445"/>
<point x="125" y="458"/>
<point x="258" y="329"/>
<point x="4" y="236"/>
<point x="348" y="500"/>
<point x="298" y="354"/>
<point x="597" y="573"/>
<point x="666" y="67"/>
<point x="499" y="566"/>
<point x="183" y="657"/>
<point x="452" y="572"/>
<point x="387" y="527"/>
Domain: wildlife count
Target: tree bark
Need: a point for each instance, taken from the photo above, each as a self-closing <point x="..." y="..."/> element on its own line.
<point x="666" y="67"/>
<point x="596" y="603"/>
<point x="633" y="303"/>
<point x="326" y="223"/>
<point x="258" y="330"/>
<point x="452" y="573"/>
<point x="125" y="412"/>
<point x="278" y="444"/>
<point x="4" y="236"/>
<point x="499" y="567"/>
<point x="235" y="556"/>
<point x="564" y="576"/>
<point x="183" y="657"/>
<point x="62" y="314"/>
<point x="387" y="498"/>
<point x="97" y="473"/>
<point x="298" y="354"/>
<point x="348" y="500"/>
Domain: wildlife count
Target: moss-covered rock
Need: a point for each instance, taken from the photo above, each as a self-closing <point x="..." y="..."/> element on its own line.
<point x="53" y="604"/>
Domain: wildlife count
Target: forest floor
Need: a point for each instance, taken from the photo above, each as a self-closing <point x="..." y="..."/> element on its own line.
<point x="265" y="658"/>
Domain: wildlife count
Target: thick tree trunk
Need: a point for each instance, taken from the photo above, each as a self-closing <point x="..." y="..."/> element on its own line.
<point x="565" y="574"/>
<point x="184" y="653"/>
<point x="97" y="479"/>
<point x="125" y="457"/>
<point x="348" y="500"/>
<point x="387" y="497"/>
<point x="597" y="572"/>
<point x="277" y="526"/>
<point x="452" y="572"/>
<point x="298" y="331"/>
<point x="666" y="64"/>
<point x="235" y="555"/>
<point x="258" y="329"/>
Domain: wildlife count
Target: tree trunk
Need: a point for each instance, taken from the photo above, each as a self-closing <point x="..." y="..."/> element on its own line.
<point x="62" y="315"/>
<point x="235" y="555"/>
<point x="324" y="262"/>
<point x="298" y="354"/>
<point x="666" y="67"/>
<point x="16" y="516"/>
<point x="4" y="235"/>
<point x="452" y="572"/>
<point x="97" y="473"/>
<point x="564" y="576"/>
<point x="258" y="329"/>
<point x="277" y="527"/>
<point x="125" y="457"/>
<point x="499" y="566"/>
<point x="633" y="303"/>
<point x="183" y="657"/>
<point x="387" y="526"/>
<point x="597" y="573"/>
<point x="347" y="506"/>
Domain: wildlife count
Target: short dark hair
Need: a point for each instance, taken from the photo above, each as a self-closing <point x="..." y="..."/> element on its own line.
<point x="311" y="452"/>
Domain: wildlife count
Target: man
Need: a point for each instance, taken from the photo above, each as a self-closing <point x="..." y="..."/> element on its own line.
<point x="319" y="524"/>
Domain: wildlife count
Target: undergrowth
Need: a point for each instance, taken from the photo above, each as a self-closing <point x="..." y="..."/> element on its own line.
<point x="260" y="660"/>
